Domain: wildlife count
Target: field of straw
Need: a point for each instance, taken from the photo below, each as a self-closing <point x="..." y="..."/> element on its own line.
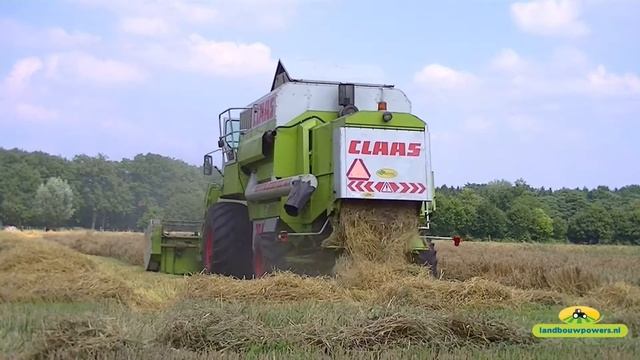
<point x="84" y="294"/>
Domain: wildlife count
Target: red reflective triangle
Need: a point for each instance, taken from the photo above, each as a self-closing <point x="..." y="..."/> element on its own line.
<point x="358" y="171"/>
<point x="386" y="188"/>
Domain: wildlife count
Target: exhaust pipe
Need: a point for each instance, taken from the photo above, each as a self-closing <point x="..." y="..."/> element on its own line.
<point x="298" y="188"/>
<point x="298" y="197"/>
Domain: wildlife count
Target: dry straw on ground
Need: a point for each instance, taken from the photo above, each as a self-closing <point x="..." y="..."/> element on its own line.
<point x="32" y="268"/>
<point x="200" y="328"/>
<point x="81" y="338"/>
<point x="388" y="302"/>
<point x="575" y="269"/>
<point x="125" y="246"/>
<point x="35" y="269"/>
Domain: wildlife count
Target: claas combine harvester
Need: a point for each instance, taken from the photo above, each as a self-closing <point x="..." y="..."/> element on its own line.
<point x="289" y="161"/>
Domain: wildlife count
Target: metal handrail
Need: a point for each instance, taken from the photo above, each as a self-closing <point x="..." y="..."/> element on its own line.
<point x="324" y="226"/>
<point x="229" y="112"/>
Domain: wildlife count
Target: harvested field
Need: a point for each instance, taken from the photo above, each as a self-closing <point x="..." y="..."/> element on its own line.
<point x="33" y="269"/>
<point x="125" y="246"/>
<point x="58" y="303"/>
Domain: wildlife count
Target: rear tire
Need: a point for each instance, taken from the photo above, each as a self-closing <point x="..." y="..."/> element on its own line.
<point x="226" y="241"/>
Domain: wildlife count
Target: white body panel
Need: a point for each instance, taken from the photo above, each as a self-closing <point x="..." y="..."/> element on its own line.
<point x="382" y="164"/>
<point x="293" y="98"/>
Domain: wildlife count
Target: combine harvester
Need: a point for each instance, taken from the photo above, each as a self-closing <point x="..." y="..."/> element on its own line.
<point x="290" y="160"/>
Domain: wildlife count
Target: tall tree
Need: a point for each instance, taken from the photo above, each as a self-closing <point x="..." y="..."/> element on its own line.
<point x="591" y="226"/>
<point x="490" y="222"/>
<point x="101" y="190"/>
<point x="54" y="202"/>
<point x="18" y="184"/>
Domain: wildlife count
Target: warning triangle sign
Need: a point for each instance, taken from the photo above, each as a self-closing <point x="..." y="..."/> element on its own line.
<point x="358" y="171"/>
<point x="386" y="188"/>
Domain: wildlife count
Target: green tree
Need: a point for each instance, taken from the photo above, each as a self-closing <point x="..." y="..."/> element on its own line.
<point x="591" y="226"/>
<point x="519" y="217"/>
<point x="153" y="212"/>
<point x="451" y="217"/>
<point x="528" y="220"/>
<point x="18" y="184"/>
<point x="559" y="228"/>
<point x="627" y="225"/>
<point x="570" y="202"/>
<point x="54" y="202"/>
<point x="500" y="193"/>
<point x="102" y="191"/>
<point x="467" y="204"/>
<point x="490" y="222"/>
<point x="541" y="225"/>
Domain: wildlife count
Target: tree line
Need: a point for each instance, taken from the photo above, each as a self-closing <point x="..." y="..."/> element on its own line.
<point x="42" y="190"/>
<point x="501" y="210"/>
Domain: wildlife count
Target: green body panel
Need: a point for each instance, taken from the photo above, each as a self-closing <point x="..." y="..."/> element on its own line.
<point x="286" y="148"/>
<point x="295" y="147"/>
<point x="180" y="255"/>
<point x="235" y="181"/>
<point x="175" y="246"/>
<point x="213" y="194"/>
<point x="250" y="151"/>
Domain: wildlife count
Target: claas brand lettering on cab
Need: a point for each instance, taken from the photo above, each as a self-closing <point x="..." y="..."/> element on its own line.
<point x="285" y="166"/>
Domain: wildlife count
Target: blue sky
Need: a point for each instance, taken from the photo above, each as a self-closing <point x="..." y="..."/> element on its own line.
<point x="546" y="90"/>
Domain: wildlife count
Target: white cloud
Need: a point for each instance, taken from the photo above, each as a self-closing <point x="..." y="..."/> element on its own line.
<point x="88" y="68"/>
<point x="242" y="14"/>
<point x="230" y="59"/>
<point x="34" y="112"/>
<point x="603" y="82"/>
<point x="527" y="99"/>
<point x="26" y="36"/>
<point x="549" y="17"/>
<point x="195" y="13"/>
<point x="508" y="60"/>
<point x="61" y="38"/>
<point x="567" y="72"/>
<point x="145" y="26"/>
<point x="439" y="76"/>
<point x="21" y="73"/>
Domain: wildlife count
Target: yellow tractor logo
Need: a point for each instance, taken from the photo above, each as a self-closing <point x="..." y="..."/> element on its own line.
<point x="387" y="173"/>
<point x="579" y="315"/>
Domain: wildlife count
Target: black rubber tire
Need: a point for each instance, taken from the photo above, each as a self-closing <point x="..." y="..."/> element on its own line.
<point x="226" y="241"/>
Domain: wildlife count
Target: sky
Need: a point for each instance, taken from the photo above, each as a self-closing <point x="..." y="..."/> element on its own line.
<point x="544" y="90"/>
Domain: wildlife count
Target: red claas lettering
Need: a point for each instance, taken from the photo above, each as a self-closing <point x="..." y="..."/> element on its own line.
<point x="384" y="148"/>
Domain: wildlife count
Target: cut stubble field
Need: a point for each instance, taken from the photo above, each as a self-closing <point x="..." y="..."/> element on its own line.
<point x="84" y="294"/>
